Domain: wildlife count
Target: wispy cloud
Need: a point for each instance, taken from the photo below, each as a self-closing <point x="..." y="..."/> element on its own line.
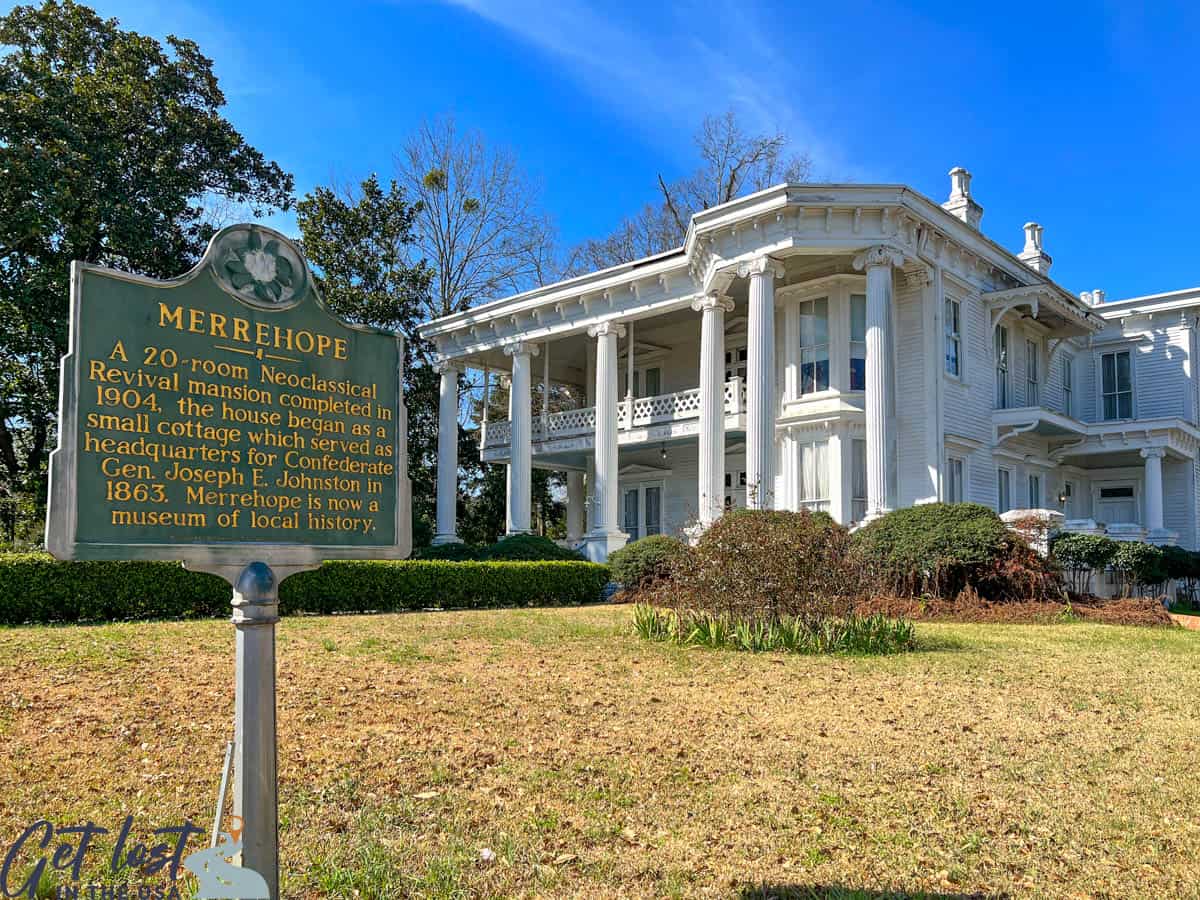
<point x="663" y="74"/>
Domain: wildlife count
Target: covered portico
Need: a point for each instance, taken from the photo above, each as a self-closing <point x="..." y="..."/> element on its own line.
<point x="1132" y="470"/>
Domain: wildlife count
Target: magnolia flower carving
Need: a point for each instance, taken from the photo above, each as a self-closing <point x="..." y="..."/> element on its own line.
<point x="260" y="268"/>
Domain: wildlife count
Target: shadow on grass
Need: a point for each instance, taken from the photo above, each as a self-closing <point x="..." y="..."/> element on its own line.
<point x="841" y="892"/>
<point x="940" y="643"/>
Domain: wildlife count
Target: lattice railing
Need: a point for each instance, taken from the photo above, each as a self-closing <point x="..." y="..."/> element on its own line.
<point x="497" y="434"/>
<point x="642" y="411"/>
<point x="570" y="421"/>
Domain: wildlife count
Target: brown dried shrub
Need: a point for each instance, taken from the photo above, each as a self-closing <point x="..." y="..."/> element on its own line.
<point x="766" y="565"/>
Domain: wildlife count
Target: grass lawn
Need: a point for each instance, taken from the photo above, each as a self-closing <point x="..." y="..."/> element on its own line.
<point x="999" y="760"/>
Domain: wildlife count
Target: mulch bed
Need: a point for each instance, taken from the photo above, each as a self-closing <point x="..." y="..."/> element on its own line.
<point x="972" y="609"/>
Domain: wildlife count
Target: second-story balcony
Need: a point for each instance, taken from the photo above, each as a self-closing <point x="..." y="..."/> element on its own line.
<point x="639" y="420"/>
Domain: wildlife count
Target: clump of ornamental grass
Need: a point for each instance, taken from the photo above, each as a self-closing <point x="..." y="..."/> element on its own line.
<point x="852" y="634"/>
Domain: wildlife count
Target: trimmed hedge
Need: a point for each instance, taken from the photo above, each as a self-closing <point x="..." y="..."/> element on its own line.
<point x="36" y="588"/>
<point x="529" y="547"/>
<point x="515" y="547"/>
<point x="643" y="562"/>
<point x="417" y="584"/>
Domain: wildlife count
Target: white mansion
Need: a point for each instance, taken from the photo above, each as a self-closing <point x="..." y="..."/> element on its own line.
<point x="849" y="348"/>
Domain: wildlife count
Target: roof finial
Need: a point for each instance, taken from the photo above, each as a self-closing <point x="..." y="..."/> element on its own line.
<point x="1034" y="255"/>
<point x="961" y="204"/>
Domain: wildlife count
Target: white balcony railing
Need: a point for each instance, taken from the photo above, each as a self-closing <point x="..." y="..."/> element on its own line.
<point x="637" y="413"/>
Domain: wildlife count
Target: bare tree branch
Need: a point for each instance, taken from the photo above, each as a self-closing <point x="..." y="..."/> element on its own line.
<point x="480" y="225"/>
<point x="733" y="163"/>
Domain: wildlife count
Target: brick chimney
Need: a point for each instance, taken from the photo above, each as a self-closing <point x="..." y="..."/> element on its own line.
<point x="961" y="205"/>
<point x="1034" y="255"/>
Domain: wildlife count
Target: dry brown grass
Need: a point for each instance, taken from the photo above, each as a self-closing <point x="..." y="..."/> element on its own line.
<point x="1051" y="760"/>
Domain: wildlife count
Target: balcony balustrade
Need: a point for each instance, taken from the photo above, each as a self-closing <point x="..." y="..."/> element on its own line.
<point x="638" y="412"/>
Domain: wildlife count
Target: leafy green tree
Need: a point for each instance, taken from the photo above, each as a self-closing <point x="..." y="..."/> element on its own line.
<point x="360" y="243"/>
<point x="112" y="148"/>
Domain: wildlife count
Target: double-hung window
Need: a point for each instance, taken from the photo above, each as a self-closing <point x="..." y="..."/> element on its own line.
<point x="858" y="342"/>
<point x="955" y="479"/>
<point x="814" y="345"/>
<point x="1035" y="492"/>
<point x="1032" y="382"/>
<point x="1001" y="352"/>
<point x="1003" y="490"/>
<point x="952" y="325"/>
<point x="1068" y="382"/>
<point x="858" y="480"/>
<point x="1116" y="384"/>
<point x="813" y="481"/>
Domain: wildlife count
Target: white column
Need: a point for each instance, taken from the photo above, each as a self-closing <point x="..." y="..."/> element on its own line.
<point x="447" y="470"/>
<point x="711" y="491"/>
<point x="629" y="363"/>
<point x="878" y="261"/>
<point x="605" y="536"/>
<point x="487" y="384"/>
<point x="760" y="378"/>
<point x="1154" y="488"/>
<point x="575" y="506"/>
<point x="520" y="415"/>
<point x="545" y="386"/>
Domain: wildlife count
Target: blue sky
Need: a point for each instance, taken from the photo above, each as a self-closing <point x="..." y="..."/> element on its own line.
<point x="1082" y="117"/>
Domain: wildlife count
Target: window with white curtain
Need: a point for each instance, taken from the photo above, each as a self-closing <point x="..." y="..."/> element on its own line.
<point x="1001" y="353"/>
<point x="812" y="480"/>
<point x="1032" y="381"/>
<point x="952" y="325"/>
<point x="858" y="480"/>
<point x="1116" y="375"/>
<point x="955" y="479"/>
<point x="858" y="342"/>
<point x="1068" y="381"/>
<point x="814" y="345"/>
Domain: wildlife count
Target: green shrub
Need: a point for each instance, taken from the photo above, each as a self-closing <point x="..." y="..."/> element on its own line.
<point x="874" y="634"/>
<point x="529" y="547"/>
<point x="1180" y="564"/>
<point x="1080" y="554"/>
<point x="34" y="587"/>
<point x="451" y="552"/>
<point x="361" y="586"/>
<point x="1140" y="568"/>
<point x="646" y="561"/>
<point x="940" y="549"/>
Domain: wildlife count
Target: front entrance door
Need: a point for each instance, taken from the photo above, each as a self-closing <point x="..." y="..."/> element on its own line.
<point x="1116" y="505"/>
<point x="641" y="506"/>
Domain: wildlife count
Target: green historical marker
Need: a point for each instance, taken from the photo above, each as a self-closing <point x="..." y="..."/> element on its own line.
<point x="224" y="408"/>
<point x="226" y="419"/>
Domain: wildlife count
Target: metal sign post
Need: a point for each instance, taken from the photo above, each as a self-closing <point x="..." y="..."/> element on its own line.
<point x="255" y="796"/>
<point x="226" y="419"/>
